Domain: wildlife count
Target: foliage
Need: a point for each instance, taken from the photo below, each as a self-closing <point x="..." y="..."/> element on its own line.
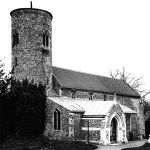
<point x="1" y="70"/>
<point x="30" y="106"/>
<point x="22" y="107"/>
<point x="4" y="92"/>
<point x="41" y="143"/>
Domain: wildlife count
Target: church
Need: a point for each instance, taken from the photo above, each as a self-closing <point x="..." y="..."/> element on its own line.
<point x="79" y="106"/>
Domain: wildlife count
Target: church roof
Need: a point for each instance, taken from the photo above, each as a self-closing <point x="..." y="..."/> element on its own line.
<point x="90" y="108"/>
<point x="84" y="81"/>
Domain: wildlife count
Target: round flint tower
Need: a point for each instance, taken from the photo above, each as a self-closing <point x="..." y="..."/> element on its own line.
<point x="31" y="45"/>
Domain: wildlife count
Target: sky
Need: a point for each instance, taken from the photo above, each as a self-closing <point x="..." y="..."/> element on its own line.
<point x="93" y="36"/>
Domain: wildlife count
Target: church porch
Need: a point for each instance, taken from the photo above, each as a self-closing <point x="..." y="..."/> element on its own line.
<point x="95" y="121"/>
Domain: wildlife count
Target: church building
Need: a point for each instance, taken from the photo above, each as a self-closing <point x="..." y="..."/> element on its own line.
<point x="80" y="106"/>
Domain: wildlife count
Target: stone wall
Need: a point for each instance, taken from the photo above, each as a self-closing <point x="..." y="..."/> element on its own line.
<point x="67" y="93"/>
<point x="87" y="94"/>
<point x="55" y="86"/>
<point x="70" y="123"/>
<point x="93" y="123"/>
<point x="62" y="134"/>
<point x="137" y="120"/>
<point x="77" y="126"/>
<point x="98" y="96"/>
<point x="140" y="116"/>
<point x="84" y="94"/>
<point x="93" y="135"/>
<point x="30" y="59"/>
<point x="91" y="129"/>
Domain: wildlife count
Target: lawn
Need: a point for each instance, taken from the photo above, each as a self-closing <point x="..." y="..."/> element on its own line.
<point x="146" y="146"/>
<point x="45" y="144"/>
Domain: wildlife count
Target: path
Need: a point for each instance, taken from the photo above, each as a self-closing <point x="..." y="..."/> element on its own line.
<point x="119" y="147"/>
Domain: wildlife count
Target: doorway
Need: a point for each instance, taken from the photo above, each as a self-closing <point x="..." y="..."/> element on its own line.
<point x="113" y="131"/>
<point x="147" y="128"/>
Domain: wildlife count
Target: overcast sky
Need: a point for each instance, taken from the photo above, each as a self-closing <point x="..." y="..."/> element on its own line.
<point x="93" y="36"/>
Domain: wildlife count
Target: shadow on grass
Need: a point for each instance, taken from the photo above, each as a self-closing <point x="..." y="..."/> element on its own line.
<point x="45" y="144"/>
<point x="146" y="146"/>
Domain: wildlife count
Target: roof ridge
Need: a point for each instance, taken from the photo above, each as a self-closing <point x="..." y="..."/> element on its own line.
<point x="90" y="82"/>
<point x="87" y="73"/>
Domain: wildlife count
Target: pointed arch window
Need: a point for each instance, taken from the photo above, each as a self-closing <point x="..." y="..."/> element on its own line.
<point x="105" y="97"/>
<point x="46" y="39"/>
<point x="73" y="94"/>
<point x="57" y="125"/>
<point x="128" y="122"/>
<point x="15" y="39"/>
<point x="90" y="96"/>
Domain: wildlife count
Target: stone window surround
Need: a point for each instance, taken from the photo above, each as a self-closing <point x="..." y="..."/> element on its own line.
<point x="57" y="126"/>
<point x="129" y="119"/>
<point x="46" y="37"/>
<point x="15" y="38"/>
<point x="74" y="94"/>
<point x="90" y="96"/>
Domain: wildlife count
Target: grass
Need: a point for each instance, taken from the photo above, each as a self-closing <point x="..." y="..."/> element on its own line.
<point x="45" y="144"/>
<point x="146" y="146"/>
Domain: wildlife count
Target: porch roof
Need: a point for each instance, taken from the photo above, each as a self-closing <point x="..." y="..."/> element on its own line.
<point x="127" y="110"/>
<point x="89" y="107"/>
<point x="67" y="103"/>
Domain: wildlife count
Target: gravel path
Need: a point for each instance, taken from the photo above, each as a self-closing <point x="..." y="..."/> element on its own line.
<point x="119" y="147"/>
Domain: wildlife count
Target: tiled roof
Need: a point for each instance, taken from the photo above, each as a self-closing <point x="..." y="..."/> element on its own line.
<point x="83" y="81"/>
<point x="95" y="108"/>
<point x="67" y="103"/>
<point x="127" y="110"/>
<point x="90" y="108"/>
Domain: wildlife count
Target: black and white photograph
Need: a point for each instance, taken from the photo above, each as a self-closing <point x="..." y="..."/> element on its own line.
<point x="74" y="75"/>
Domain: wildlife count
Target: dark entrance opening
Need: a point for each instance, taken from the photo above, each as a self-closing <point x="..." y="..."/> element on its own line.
<point x="147" y="128"/>
<point x="113" y="131"/>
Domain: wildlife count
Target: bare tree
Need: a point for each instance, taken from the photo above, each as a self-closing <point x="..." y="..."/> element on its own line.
<point x="134" y="82"/>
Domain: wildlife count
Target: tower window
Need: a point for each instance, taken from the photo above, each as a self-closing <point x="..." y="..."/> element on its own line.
<point x="56" y="119"/>
<point x="15" y="41"/>
<point x="16" y="61"/>
<point x="45" y="39"/>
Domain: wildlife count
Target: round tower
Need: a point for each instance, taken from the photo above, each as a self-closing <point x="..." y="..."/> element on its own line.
<point x="31" y="44"/>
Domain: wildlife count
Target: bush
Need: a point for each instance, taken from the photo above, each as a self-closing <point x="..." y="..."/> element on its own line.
<point x="22" y="108"/>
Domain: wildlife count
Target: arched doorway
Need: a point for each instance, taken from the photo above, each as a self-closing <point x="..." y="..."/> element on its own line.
<point x="113" y="131"/>
<point x="147" y="128"/>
